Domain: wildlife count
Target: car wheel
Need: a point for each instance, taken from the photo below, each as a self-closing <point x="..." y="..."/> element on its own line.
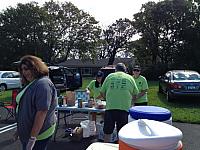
<point x="2" y="87"/>
<point x="169" y="97"/>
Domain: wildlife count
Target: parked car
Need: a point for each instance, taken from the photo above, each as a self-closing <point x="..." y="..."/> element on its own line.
<point x="64" y="78"/>
<point x="9" y="80"/>
<point x="180" y="83"/>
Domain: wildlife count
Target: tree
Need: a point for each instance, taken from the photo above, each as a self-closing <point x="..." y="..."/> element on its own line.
<point x="163" y="27"/>
<point x="70" y="32"/>
<point x="54" y="32"/>
<point x="147" y="26"/>
<point x="20" y="31"/>
<point x="116" y="37"/>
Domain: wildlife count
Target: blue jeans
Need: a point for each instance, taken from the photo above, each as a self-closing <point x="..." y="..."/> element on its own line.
<point x="39" y="145"/>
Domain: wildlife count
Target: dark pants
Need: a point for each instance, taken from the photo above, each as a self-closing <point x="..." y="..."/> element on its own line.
<point x="39" y="145"/>
<point x="141" y="104"/>
<point x="120" y="117"/>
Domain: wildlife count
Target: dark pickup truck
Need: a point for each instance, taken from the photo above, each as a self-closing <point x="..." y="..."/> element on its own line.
<point x="64" y="78"/>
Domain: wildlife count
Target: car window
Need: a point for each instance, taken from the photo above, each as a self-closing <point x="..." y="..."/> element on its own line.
<point x="179" y="76"/>
<point x="56" y="75"/>
<point x="193" y="77"/>
<point x="7" y="75"/>
<point x="186" y="76"/>
<point x="16" y="75"/>
<point x="68" y="72"/>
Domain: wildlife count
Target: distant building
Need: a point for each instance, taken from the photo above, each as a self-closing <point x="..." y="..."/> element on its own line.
<point x="90" y="67"/>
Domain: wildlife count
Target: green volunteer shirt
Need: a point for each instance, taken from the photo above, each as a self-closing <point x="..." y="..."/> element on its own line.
<point x="119" y="88"/>
<point x="142" y="84"/>
<point x="95" y="90"/>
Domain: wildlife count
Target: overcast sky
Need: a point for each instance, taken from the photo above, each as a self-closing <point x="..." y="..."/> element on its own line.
<point x="105" y="11"/>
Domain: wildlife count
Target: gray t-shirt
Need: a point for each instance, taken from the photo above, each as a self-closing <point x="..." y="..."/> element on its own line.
<point x="40" y="95"/>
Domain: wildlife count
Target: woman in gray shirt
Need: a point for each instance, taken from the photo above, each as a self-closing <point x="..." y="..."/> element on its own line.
<point x="37" y="101"/>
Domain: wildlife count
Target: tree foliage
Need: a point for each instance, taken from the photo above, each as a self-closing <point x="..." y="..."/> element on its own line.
<point x="54" y="32"/>
<point x="169" y="32"/>
<point x="71" y="32"/>
<point x="20" y="30"/>
<point x="116" y="37"/>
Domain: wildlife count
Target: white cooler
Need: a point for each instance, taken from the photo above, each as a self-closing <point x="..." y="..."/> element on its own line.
<point x="146" y="134"/>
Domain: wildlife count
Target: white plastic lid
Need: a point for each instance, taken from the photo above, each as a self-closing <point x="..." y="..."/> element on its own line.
<point x="147" y="134"/>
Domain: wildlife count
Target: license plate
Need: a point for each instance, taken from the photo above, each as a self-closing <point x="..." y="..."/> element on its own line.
<point x="191" y="87"/>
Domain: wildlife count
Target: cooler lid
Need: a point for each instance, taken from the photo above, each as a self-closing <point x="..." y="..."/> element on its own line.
<point x="150" y="112"/>
<point x="150" y="135"/>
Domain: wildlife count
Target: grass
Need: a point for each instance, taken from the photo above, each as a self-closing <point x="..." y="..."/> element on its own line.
<point x="183" y="110"/>
<point x="6" y="96"/>
<point x="186" y="110"/>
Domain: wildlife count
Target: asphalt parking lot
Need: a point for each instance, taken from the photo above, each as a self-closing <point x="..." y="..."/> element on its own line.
<point x="191" y="138"/>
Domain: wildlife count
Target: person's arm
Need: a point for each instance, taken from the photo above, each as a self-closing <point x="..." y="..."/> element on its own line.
<point x="133" y="100"/>
<point x="89" y="87"/>
<point x="102" y="95"/>
<point x="87" y="90"/>
<point x="142" y="93"/>
<point x="135" y="92"/>
<point x="38" y="122"/>
<point x="144" y="88"/>
<point x="37" y="125"/>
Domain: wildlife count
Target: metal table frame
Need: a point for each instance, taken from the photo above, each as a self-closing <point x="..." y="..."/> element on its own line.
<point x="70" y="110"/>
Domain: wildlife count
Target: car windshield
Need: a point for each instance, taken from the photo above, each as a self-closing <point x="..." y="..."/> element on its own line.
<point x="186" y="76"/>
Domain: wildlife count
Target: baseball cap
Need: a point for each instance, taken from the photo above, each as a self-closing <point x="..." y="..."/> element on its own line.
<point x="137" y="67"/>
<point x="100" y="74"/>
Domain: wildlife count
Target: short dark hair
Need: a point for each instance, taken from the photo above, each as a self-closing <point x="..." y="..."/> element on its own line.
<point x="120" y="67"/>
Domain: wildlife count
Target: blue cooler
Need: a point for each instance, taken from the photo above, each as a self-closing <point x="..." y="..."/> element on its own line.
<point x="151" y="113"/>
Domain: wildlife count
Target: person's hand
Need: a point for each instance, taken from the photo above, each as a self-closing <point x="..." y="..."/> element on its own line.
<point x="88" y="91"/>
<point x="15" y="136"/>
<point x="31" y="143"/>
<point x="133" y="100"/>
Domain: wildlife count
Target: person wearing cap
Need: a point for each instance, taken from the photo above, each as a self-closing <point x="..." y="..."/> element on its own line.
<point x="95" y="85"/>
<point x="141" y="82"/>
<point x="119" y="90"/>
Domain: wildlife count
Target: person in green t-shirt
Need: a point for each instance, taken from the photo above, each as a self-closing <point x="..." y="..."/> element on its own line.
<point x="141" y="82"/>
<point x="119" y="90"/>
<point x="95" y="85"/>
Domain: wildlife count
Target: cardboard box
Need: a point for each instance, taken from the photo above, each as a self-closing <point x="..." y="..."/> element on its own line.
<point x="70" y="98"/>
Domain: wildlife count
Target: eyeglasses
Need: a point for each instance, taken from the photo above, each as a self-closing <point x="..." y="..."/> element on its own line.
<point x="136" y="70"/>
